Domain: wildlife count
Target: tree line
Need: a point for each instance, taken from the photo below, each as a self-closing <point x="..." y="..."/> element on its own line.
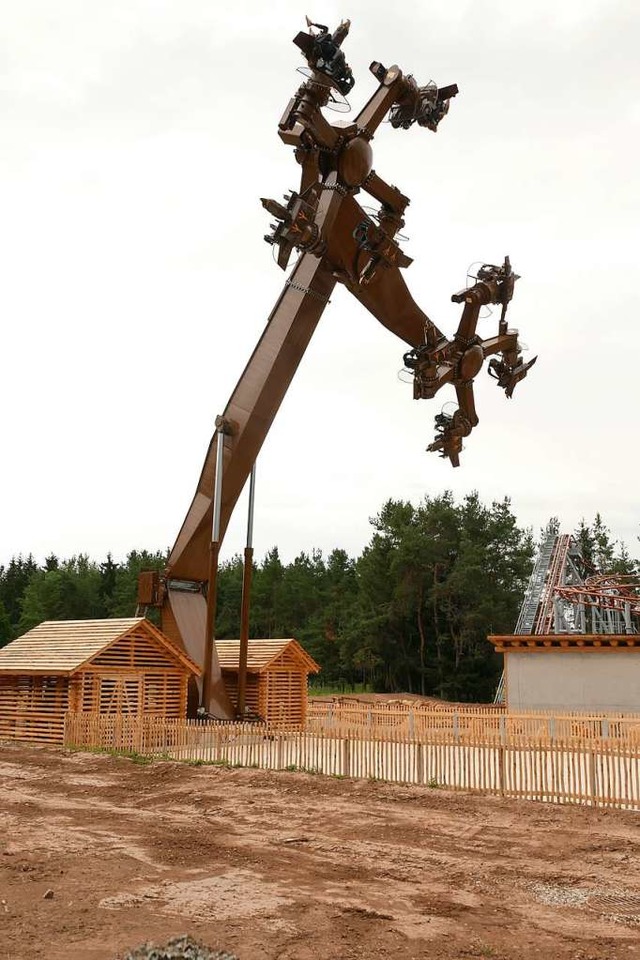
<point x="411" y="613"/>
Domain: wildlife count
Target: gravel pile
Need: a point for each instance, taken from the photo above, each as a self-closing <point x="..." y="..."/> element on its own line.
<point x="180" y="948"/>
<point x="556" y="896"/>
<point x="620" y="907"/>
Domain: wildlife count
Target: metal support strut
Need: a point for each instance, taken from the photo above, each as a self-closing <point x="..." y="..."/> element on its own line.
<point x="246" y="599"/>
<point x="214" y="553"/>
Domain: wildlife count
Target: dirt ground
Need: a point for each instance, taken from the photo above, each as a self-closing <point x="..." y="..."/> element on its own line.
<point x="292" y="866"/>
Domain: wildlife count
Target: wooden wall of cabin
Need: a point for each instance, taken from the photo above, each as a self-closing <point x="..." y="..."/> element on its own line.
<point x="33" y="708"/>
<point x="285" y="695"/>
<point x="253" y="701"/>
<point x="133" y="675"/>
<point x="286" y="682"/>
<point x="277" y="695"/>
<point x="160" y="694"/>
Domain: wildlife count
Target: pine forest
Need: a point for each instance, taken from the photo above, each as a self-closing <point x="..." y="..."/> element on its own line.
<point x="410" y="614"/>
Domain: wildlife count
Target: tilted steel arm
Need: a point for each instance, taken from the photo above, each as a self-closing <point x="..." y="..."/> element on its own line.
<point x="337" y="241"/>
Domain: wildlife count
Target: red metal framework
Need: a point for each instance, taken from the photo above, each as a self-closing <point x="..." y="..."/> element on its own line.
<point x="606" y="591"/>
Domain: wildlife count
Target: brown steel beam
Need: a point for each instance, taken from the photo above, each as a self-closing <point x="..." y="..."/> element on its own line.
<point x="378" y="106"/>
<point x="252" y="408"/>
<point x="386" y="194"/>
<point x="388" y="298"/>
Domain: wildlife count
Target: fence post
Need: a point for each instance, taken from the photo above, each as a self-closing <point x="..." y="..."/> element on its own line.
<point x="412" y="723"/>
<point x="346" y="758"/>
<point x="593" y="783"/>
<point x="503" y="730"/>
<point x="419" y="763"/>
<point x="605" y="728"/>
<point x="501" y="752"/>
<point x="456" y="726"/>
<point x="279" y="752"/>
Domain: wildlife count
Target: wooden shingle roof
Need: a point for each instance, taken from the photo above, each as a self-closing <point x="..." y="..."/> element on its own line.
<point x="262" y="654"/>
<point x="63" y="646"/>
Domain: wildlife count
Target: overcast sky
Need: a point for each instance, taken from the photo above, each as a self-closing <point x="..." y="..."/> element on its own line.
<point x="136" y="139"/>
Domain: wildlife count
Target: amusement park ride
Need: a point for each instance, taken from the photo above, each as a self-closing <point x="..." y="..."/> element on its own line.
<point x="338" y="241"/>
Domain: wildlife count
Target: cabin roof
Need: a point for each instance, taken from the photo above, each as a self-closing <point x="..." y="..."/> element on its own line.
<point x="261" y="654"/>
<point x="64" y="646"/>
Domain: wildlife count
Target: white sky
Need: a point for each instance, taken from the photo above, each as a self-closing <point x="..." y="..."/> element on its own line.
<point x="136" y="139"/>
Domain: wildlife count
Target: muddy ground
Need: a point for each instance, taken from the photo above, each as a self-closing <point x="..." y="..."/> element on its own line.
<point x="292" y="866"/>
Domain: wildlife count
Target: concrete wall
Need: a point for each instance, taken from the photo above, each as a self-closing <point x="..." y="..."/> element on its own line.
<point x="574" y="680"/>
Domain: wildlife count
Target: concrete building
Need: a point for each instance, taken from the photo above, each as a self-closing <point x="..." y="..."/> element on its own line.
<point x="589" y="673"/>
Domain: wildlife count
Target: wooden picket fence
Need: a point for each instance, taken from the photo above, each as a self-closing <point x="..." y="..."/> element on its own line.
<point x="382" y="719"/>
<point x="597" y="771"/>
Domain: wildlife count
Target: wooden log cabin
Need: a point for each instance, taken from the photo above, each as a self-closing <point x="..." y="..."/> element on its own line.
<point x="277" y="678"/>
<point x="95" y="666"/>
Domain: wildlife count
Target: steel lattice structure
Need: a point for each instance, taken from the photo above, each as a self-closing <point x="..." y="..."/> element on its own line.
<point x="604" y="603"/>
